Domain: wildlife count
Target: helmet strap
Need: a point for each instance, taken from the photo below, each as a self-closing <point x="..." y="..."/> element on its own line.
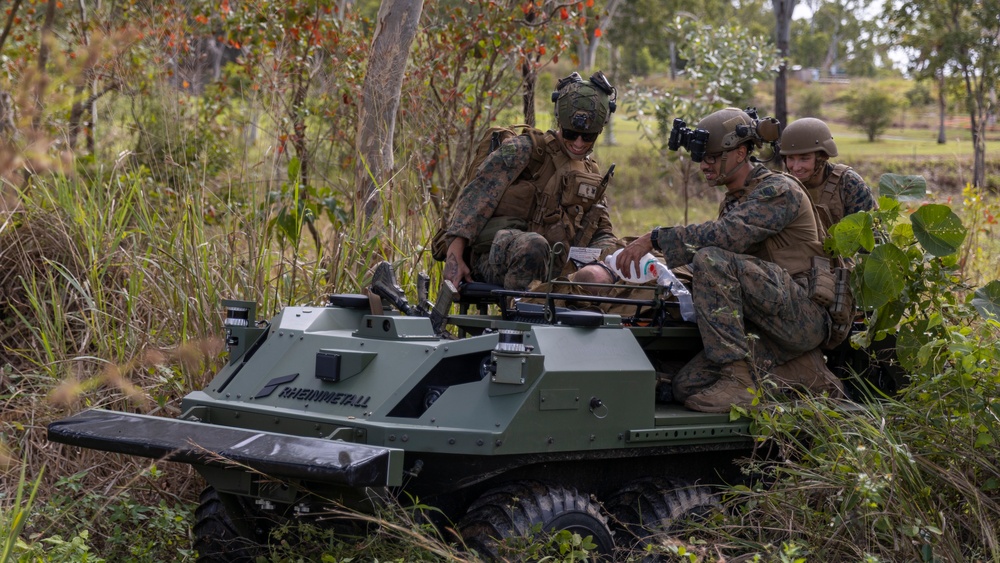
<point x="816" y="178"/>
<point x="725" y="176"/>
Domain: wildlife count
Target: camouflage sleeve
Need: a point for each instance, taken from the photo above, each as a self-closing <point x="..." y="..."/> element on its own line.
<point x="763" y="213"/>
<point x="479" y="199"/>
<point x="604" y="236"/>
<point x="856" y="194"/>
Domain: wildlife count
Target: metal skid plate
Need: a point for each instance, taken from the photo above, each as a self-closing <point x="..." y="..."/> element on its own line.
<point x="278" y="455"/>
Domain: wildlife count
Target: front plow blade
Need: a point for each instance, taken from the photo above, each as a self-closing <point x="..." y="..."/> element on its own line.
<point x="198" y="443"/>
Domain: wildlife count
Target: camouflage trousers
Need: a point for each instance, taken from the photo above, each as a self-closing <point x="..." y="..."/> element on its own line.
<point x="516" y="258"/>
<point x="748" y="309"/>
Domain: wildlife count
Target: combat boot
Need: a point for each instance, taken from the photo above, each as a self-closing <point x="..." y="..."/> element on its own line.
<point x="732" y="388"/>
<point x="809" y="372"/>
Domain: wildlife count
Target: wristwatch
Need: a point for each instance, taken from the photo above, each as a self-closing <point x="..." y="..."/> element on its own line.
<point x="654" y="236"/>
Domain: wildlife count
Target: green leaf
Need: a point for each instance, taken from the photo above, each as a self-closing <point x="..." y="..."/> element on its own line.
<point x="888" y="207"/>
<point x="888" y="316"/>
<point x="918" y="347"/>
<point x="853" y="233"/>
<point x="882" y="276"/>
<point x="987" y="300"/>
<point x="294" y="167"/>
<point x="902" y="235"/>
<point x="902" y="187"/>
<point x="938" y="229"/>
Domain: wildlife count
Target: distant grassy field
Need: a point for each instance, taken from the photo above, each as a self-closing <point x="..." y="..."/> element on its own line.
<point x="851" y="143"/>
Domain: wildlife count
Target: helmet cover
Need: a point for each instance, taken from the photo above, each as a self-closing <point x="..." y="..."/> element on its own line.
<point x="725" y="132"/>
<point x="807" y="135"/>
<point x="581" y="105"/>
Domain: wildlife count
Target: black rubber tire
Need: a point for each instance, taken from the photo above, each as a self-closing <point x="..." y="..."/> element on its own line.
<point x="512" y="510"/>
<point x="225" y="529"/>
<point x="652" y="507"/>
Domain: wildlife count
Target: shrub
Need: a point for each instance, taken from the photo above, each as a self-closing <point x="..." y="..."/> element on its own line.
<point x="182" y="139"/>
<point x="811" y="104"/>
<point x="871" y="111"/>
<point x="919" y="95"/>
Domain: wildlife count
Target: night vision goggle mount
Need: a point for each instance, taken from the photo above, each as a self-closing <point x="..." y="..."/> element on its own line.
<point x="695" y="141"/>
<point x="598" y="80"/>
<point x="761" y="130"/>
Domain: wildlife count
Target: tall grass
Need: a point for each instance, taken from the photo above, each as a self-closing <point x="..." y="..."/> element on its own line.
<point x="12" y="521"/>
<point x="897" y="482"/>
<point x="109" y="297"/>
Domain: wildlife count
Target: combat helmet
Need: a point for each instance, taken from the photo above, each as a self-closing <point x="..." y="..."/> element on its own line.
<point x="808" y="135"/>
<point x="584" y="106"/>
<point x="727" y="129"/>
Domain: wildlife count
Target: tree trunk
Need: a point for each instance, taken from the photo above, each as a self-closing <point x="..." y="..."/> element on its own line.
<point x="77" y="110"/>
<point x="43" y="58"/>
<point x="783" y="18"/>
<point x="978" y="125"/>
<point x="942" y="108"/>
<point x="587" y="48"/>
<point x="977" y="122"/>
<point x="831" y="51"/>
<point x="529" y="79"/>
<point x="609" y="129"/>
<point x="979" y="166"/>
<point x="394" y="32"/>
<point x="673" y="60"/>
<point x="11" y="16"/>
<point x="297" y="113"/>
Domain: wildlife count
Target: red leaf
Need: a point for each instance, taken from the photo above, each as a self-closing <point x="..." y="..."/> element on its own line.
<point x="563" y="13"/>
<point x="597" y="32"/>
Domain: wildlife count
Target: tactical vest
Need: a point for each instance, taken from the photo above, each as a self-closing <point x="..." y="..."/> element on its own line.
<point x="827" y="198"/>
<point x="557" y="199"/>
<point x="799" y="241"/>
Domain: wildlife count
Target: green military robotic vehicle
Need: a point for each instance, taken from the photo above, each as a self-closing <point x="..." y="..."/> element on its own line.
<point x="532" y="415"/>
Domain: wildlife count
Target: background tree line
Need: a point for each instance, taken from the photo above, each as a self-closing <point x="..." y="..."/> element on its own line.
<point x="353" y="68"/>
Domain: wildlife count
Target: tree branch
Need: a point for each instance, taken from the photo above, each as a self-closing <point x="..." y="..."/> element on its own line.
<point x="10" y="23"/>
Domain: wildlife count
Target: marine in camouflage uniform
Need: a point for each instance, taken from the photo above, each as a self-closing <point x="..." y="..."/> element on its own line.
<point x="836" y="189"/>
<point x="505" y="193"/>
<point x="750" y="268"/>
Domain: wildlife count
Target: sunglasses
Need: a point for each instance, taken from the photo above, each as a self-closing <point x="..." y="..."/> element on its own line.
<point x="572" y="136"/>
<point x="711" y="159"/>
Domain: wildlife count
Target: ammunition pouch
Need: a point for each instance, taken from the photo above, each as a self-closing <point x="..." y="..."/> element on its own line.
<point x="842" y="309"/>
<point x="830" y="288"/>
<point x="822" y="283"/>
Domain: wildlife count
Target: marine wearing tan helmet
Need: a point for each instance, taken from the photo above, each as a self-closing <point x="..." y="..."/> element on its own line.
<point x="729" y="129"/>
<point x="725" y="133"/>
<point x="837" y="190"/>
<point x="808" y="135"/>
<point x="805" y="136"/>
